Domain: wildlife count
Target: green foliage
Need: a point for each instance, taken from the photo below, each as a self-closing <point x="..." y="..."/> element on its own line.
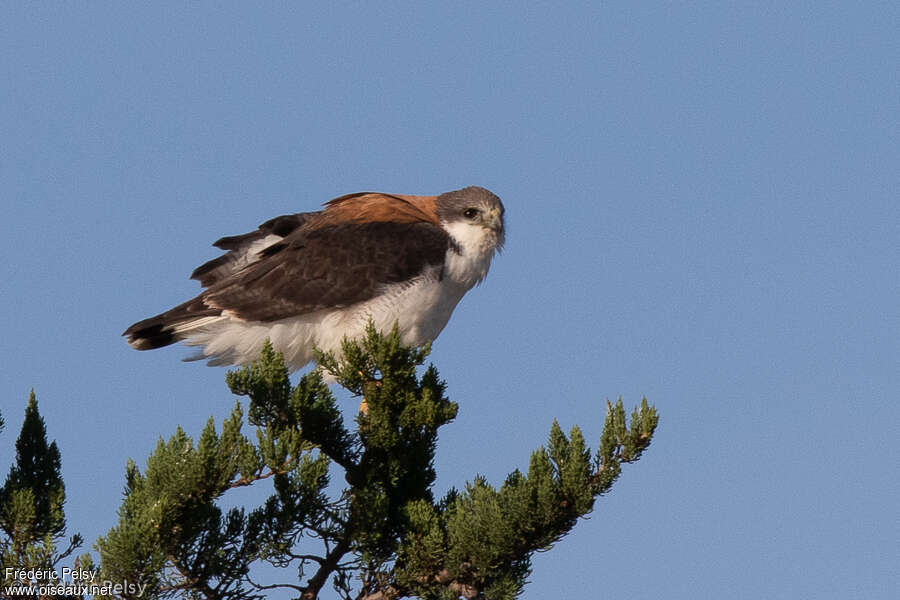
<point x="36" y="474"/>
<point x="32" y="520"/>
<point x="482" y="540"/>
<point x="171" y="536"/>
<point x="352" y="505"/>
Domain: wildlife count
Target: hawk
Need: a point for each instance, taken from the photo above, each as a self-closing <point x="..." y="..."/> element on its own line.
<point x="309" y="280"/>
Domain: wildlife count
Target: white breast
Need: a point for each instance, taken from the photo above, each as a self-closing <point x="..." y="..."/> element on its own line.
<point x="421" y="307"/>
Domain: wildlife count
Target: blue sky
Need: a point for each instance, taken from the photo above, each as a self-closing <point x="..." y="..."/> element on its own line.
<point x="702" y="208"/>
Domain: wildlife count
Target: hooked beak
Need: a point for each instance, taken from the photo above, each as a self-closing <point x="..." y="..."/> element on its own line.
<point x="492" y="219"/>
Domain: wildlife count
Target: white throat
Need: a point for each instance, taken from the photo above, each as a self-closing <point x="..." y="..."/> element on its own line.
<point x="468" y="262"/>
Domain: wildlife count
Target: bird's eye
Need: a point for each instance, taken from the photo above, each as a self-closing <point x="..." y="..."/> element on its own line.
<point x="470" y="213"/>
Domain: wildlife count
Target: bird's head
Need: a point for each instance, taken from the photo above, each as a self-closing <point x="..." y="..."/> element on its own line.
<point x="474" y="218"/>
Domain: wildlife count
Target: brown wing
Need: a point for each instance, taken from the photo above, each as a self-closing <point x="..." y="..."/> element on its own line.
<point x="242" y="248"/>
<point x="362" y="207"/>
<point x="330" y="265"/>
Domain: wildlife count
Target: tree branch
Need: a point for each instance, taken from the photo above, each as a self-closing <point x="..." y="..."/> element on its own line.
<point x="311" y="592"/>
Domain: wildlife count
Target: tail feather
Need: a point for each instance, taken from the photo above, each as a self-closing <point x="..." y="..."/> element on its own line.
<point x="149" y="337"/>
<point x="171" y="326"/>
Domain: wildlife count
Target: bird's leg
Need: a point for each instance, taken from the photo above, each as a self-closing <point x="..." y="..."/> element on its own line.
<point x="364" y="406"/>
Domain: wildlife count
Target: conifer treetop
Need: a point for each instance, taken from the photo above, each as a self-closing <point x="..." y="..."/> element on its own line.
<point x="32" y="519"/>
<point x="352" y="504"/>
